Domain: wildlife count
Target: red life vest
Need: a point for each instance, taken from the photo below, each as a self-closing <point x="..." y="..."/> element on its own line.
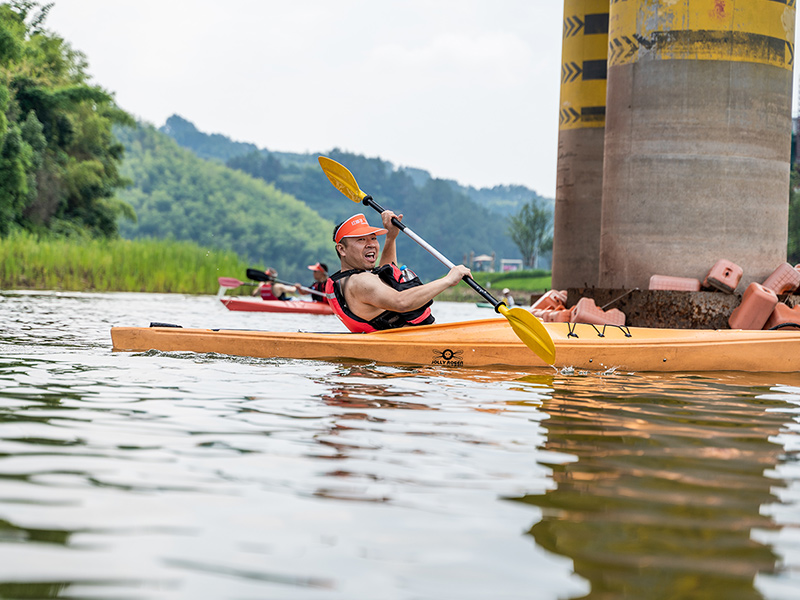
<point x="391" y="276"/>
<point x="266" y="292"/>
<point x="319" y="286"/>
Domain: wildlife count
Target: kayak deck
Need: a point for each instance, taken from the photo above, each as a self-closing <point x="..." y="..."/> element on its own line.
<point x="276" y="306"/>
<point x="492" y="342"/>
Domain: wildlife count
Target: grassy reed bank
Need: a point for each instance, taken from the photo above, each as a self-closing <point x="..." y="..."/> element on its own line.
<point x="29" y="262"/>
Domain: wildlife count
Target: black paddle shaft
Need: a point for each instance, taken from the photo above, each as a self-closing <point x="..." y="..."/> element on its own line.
<point x="370" y="201"/>
<point x="257" y="275"/>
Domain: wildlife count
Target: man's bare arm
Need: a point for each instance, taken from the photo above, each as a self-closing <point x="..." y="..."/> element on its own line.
<point x="368" y="296"/>
<point x="389" y="254"/>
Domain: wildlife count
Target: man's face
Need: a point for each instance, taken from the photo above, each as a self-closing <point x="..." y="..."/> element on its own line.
<point x="359" y="253"/>
<point x="320" y="275"/>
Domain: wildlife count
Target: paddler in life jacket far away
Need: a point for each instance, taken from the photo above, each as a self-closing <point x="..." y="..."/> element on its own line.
<point x="272" y="290"/>
<point x="368" y="298"/>
<point x="320" y="279"/>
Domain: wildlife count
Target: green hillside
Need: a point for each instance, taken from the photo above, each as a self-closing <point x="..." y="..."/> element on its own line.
<point x="212" y="146"/>
<point x="503" y="200"/>
<point x="177" y="195"/>
<point x="448" y="220"/>
<point x="506" y="200"/>
<point x="437" y="210"/>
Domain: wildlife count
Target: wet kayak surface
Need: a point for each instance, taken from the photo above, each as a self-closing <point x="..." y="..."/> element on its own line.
<point x="175" y="475"/>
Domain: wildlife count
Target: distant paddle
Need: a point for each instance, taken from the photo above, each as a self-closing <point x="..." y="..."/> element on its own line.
<point x="527" y="327"/>
<point x="257" y="275"/>
<point x="230" y="282"/>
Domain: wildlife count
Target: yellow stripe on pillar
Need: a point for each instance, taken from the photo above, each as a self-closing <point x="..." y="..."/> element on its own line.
<point x="584" y="56"/>
<point x="757" y="31"/>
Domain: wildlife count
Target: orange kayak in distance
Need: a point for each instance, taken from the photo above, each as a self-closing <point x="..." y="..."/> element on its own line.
<point x="492" y="342"/>
<point x="276" y="306"/>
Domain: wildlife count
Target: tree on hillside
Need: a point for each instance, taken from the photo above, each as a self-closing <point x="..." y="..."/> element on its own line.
<point x="58" y="158"/>
<point x="258" y="165"/>
<point x="213" y="146"/>
<point x="531" y="229"/>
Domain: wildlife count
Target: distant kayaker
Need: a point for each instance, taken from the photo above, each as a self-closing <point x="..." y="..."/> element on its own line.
<point x="508" y="298"/>
<point x="367" y="298"/>
<point x="272" y="290"/>
<point x="320" y="278"/>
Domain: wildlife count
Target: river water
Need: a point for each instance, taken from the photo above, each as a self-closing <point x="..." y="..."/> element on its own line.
<point x="175" y="475"/>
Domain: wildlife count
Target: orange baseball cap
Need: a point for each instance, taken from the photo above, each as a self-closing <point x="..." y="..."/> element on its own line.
<point x="356" y="226"/>
<point x="319" y="267"/>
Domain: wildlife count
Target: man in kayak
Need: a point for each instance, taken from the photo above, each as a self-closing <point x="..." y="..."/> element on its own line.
<point x="320" y="279"/>
<point x="367" y="298"/>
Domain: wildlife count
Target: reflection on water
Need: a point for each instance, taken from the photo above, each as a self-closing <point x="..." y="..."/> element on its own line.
<point x="175" y="475"/>
<point x="668" y="486"/>
<point x="179" y="475"/>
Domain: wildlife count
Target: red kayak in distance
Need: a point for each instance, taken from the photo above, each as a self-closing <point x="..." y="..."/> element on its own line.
<point x="277" y="306"/>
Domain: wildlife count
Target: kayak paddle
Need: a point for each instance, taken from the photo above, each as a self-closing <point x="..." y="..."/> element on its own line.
<point x="230" y="282"/>
<point x="257" y="275"/>
<point x="527" y="327"/>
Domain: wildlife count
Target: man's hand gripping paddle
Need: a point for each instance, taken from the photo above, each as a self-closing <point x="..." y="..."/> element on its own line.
<point x="527" y="327"/>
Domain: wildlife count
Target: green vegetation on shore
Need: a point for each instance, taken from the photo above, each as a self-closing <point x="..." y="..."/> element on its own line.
<point x="58" y="158"/>
<point x="31" y="262"/>
<point x="103" y="265"/>
<point x="518" y="281"/>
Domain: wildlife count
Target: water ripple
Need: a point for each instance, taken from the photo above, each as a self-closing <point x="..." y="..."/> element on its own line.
<point x="177" y="475"/>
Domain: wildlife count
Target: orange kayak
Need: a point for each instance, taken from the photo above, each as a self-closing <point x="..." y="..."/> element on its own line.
<point x="491" y="342"/>
<point x="276" y="306"/>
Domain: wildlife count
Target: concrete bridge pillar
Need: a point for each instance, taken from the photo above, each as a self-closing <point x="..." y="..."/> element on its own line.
<point x="697" y="138"/>
<point x="579" y="180"/>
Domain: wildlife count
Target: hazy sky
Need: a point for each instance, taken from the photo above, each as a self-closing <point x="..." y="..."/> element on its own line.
<point x="466" y="89"/>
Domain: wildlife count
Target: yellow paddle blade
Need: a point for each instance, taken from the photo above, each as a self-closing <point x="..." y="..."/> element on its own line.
<point x="531" y="331"/>
<point x="341" y="178"/>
